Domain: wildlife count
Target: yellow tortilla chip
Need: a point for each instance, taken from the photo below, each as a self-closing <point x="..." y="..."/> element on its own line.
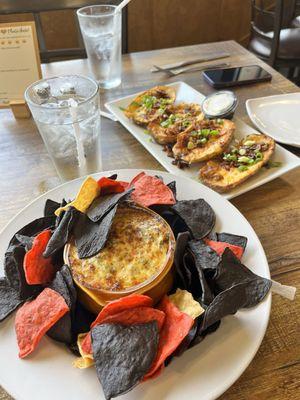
<point x="82" y="363"/>
<point x="87" y="193"/>
<point x="86" y="360"/>
<point x="184" y="301"/>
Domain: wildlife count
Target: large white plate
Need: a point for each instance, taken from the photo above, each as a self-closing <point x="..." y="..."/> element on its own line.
<point x="186" y="93"/>
<point x="203" y="373"/>
<point x="277" y="116"/>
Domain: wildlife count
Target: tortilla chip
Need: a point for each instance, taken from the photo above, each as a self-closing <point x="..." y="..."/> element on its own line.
<point x="90" y="237"/>
<point x="14" y="272"/>
<point x="123" y="355"/>
<point x="25" y="241"/>
<point x="150" y="190"/>
<point x="83" y="363"/>
<point x="50" y="207"/>
<point x="219" y="248"/>
<point x="198" y="216"/>
<point x="236" y="240"/>
<point x="108" y="185"/>
<point x="231" y="271"/>
<point x="180" y="248"/>
<point x="61" y="331"/>
<point x="62" y="232"/>
<point x="38" y="270"/>
<point x="103" y="204"/>
<point x="122" y="304"/>
<point x="205" y="255"/>
<point x="9" y="299"/>
<point x="87" y="193"/>
<point x="117" y="307"/>
<point x="229" y="301"/>
<point x="176" y="327"/>
<point x="35" y="317"/>
<point x="184" y="301"/>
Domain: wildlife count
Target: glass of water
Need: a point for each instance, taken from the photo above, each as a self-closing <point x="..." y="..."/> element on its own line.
<point x="66" y="112"/>
<point x="101" y="30"/>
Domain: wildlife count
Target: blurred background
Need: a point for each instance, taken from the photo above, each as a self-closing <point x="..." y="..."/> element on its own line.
<point x="154" y="24"/>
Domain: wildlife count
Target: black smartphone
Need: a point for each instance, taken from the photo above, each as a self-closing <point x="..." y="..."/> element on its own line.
<point x="226" y="77"/>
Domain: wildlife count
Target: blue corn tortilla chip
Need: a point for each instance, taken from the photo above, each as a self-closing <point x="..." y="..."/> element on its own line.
<point x="205" y="256"/>
<point x="103" y="204"/>
<point x="90" y="237"/>
<point x="62" y="232"/>
<point x="198" y="215"/>
<point x="9" y="299"/>
<point x="67" y="276"/>
<point x="241" y="295"/>
<point x="14" y="273"/>
<point x="62" y="331"/>
<point x="50" y="207"/>
<point x="123" y="355"/>
<point x="230" y="238"/>
<point x="33" y="228"/>
<point x="180" y="248"/>
<point x="201" y="334"/>
<point x="25" y="241"/>
<point x="231" y="272"/>
<point x="172" y="186"/>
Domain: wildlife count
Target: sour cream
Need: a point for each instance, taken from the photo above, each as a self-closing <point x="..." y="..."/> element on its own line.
<point x="219" y="104"/>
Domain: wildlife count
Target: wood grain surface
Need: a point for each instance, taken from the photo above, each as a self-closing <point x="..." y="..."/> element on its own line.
<point x="273" y="209"/>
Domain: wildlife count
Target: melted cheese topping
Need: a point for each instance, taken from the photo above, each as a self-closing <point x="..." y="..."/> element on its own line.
<point x="136" y="249"/>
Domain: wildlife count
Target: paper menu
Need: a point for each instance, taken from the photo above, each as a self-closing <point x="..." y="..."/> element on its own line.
<point x="19" y="60"/>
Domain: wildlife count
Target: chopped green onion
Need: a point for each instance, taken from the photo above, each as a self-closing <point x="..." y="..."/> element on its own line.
<point x="249" y="143"/>
<point x="214" y="132"/>
<point x="122" y="108"/>
<point x="205" y="132"/>
<point x="242" y="168"/>
<point x="220" y="121"/>
<point x="243" y="159"/>
<point x="242" y="152"/>
<point x="191" y="145"/>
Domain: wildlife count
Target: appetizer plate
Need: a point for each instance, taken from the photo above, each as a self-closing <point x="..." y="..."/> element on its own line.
<point x="277" y="116"/>
<point x="203" y="373"/>
<point x="186" y="93"/>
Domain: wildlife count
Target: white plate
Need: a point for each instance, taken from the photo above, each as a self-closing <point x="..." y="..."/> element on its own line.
<point x="203" y="373"/>
<point x="186" y="93"/>
<point x="277" y="116"/>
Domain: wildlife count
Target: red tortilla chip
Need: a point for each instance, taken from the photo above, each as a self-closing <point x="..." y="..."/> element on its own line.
<point x="150" y="190"/>
<point x="38" y="270"/>
<point x="176" y="326"/>
<point x="136" y="178"/>
<point x="35" y="317"/>
<point x="116" y="307"/>
<point x="219" y="248"/>
<point x="108" y="186"/>
<point x="131" y="316"/>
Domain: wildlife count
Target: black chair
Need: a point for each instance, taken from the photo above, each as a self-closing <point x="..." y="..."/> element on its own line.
<point x="272" y="38"/>
<point x="35" y="7"/>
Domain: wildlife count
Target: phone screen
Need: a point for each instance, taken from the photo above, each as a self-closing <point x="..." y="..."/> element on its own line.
<point x="236" y="76"/>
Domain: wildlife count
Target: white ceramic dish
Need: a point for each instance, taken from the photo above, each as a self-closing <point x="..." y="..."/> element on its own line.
<point x="203" y="373"/>
<point x="277" y="116"/>
<point x="187" y="94"/>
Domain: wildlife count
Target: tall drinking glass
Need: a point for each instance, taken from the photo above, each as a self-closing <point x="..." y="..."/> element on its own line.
<point x="101" y="31"/>
<point x="66" y="112"/>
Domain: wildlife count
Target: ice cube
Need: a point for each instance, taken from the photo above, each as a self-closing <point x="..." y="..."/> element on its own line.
<point x="67" y="88"/>
<point x="43" y="90"/>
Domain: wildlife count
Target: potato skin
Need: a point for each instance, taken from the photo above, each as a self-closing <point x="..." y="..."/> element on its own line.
<point x="139" y="114"/>
<point x="169" y="135"/>
<point x="213" y="147"/>
<point x="215" y="176"/>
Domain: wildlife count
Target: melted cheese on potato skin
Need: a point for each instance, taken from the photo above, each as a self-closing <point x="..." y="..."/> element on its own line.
<point x="136" y="249"/>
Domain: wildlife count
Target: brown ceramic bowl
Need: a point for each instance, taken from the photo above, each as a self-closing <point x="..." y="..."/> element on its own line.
<point x="155" y="286"/>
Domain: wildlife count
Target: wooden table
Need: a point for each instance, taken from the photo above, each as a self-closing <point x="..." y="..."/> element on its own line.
<point x="273" y="209"/>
